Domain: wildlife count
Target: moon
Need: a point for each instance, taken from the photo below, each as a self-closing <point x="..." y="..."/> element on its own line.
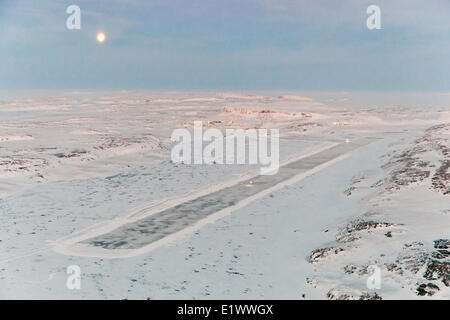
<point x="101" y="37"/>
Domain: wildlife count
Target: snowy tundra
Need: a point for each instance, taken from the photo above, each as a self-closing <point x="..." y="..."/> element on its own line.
<point x="86" y="180"/>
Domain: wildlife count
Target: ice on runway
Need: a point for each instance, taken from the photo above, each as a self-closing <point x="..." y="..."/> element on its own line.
<point x="157" y="226"/>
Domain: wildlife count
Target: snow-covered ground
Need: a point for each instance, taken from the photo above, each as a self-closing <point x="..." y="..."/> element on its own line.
<point x="77" y="163"/>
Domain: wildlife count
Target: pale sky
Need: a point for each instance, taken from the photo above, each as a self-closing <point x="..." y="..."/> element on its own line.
<point x="226" y="44"/>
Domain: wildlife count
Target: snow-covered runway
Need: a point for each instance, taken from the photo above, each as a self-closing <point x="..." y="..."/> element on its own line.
<point x="158" y="228"/>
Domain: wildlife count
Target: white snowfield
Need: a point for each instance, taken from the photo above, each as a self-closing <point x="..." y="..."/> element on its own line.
<point x="86" y="179"/>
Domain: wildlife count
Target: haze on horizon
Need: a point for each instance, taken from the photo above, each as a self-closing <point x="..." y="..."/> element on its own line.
<point x="226" y="45"/>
